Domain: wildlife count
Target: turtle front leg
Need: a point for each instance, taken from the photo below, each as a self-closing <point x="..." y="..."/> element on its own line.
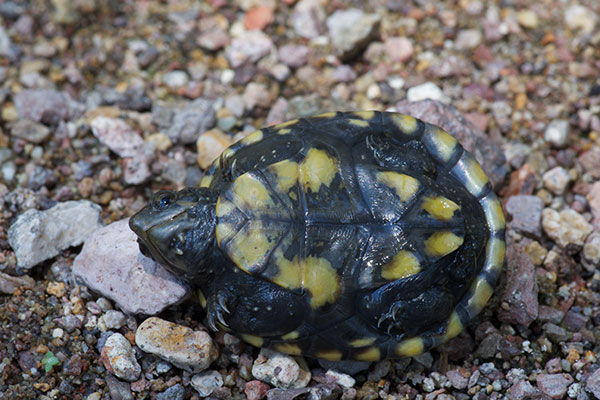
<point x="246" y="304"/>
<point x="396" y="312"/>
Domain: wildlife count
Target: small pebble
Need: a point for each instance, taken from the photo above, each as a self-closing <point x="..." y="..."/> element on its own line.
<point x="566" y="227"/>
<point x="341" y="379"/>
<point x="121" y="357"/>
<point x="427" y="90"/>
<point x="280" y="370"/>
<point x="557" y="133"/>
<point x="206" y="382"/>
<point x="556" y="180"/>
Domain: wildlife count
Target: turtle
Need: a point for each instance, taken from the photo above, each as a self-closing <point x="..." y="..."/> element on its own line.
<point x="344" y="236"/>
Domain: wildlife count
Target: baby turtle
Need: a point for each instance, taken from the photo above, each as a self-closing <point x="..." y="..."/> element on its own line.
<point x="362" y="236"/>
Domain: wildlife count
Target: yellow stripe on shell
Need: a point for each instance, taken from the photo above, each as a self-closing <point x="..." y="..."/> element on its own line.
<point x="442" y="243"/>
<point x="481" y="294"/>
<point x="289" y="272"/>
<point x="331" y="355"/>
<point x="468" y="171"/>
<point x="493" y="213"/>
<point x="224" y="207"/>
<point x="362" y="342"/>
<point x="402" y="265"/>
<point x="359" y="122"/>
<point x="495" y="252"/>
<point x="370" y="354"/>
<point x="283" y="131"/>
<point x="291" y="335"/>
<point x="318" y="168"/>
<point x="288" y="348"/>
<point x="321" y="280"/>
<point x="410" y="347"/>
<point x="406" y="123"/>
<point x="286" y="124"/>
<point x="255" y="341"/>
<point x="442" y="141"/>
<point x="327" y="115"/>
<point x="206" y="180"/>
<point x="252" y="138"/>
<point x="440" y="207"/>
<point x="223" y="232"/>
<point x="405" y="186"/>
<point x="367" y="115"/>
<point x="286" y="172"/>
<point x="454" y="326"/>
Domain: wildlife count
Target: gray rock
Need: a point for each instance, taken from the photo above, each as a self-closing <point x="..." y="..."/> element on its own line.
<point x="191" y="121"/>
<point x="117" y="389"/>
<point x="308" y="19"/>
<point x="42" y="105"/>
<point x="293" y="55"/>
<point x="136" y="170"/>
<point x="522" y="390"/>
<point x="9" y="283"/>
<point x="591" y="248"/>
<point x="554" y="385"/>
<point x="467" y="39"/>
<point x="175" y="392"/>
<point x="556" y="180"/>
<point x="487" y="152"/>
<point x="457" y="380"/>
<point x="526" y="214"/>
<point x="351" y="31"/>
<point x="191" y="350"/>
<point x="426" y="91"/>
<point x="256" y="94"/>
<point x="31" y="131"/>
<point x="280" y="370"/>
<point x="593" y="199"/>
<point x="521" y="289"/>
<point x="121" y="357"/>
<point x="110" y="263"/>
<point x="341" y="379"/>
<point x="175" y="79"/>
<point x="250" y="47"/>
<point x="557" y="132"/>
<point x="593" y="384"/>
<point x="578" y="17"/>
<point x="118" y="136"/>
<point x="113" y="319"/>
<point x="206" y="382"/>
<point x="40" y="235"/>
<point x="590" y="161"/>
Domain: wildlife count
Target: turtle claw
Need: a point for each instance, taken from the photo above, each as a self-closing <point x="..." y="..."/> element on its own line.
<point x="218" y="311"/>
<point x="390" y="320"/>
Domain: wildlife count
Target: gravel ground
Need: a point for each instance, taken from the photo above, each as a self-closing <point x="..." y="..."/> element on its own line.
<point x="104" y="102"/>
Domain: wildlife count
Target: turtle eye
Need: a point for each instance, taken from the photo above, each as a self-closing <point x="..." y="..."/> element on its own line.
<point x="162" y="199"/>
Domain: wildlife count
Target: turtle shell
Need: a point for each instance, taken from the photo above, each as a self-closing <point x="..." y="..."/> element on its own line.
<point x="386" y="225"/>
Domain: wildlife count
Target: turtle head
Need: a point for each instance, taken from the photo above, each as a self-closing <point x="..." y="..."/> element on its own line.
<point x="177" y="230"/>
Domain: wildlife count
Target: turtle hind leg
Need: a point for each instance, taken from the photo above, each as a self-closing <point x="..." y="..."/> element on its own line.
<point x="246" y="304"/>
<point x="394" y="311"/>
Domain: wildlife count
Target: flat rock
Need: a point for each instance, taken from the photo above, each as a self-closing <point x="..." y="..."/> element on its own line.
<point x="526" y="213"/>
<point x="521" y="289"/>
<point x="351" y="31"/>
<point x="37" y="236"/>
<point x="47" y="106"/>
<point x="183" y="347"/>
<point x="488" y="152"/>
<point x="118" y="136"/>
<point x="110" y="263"/>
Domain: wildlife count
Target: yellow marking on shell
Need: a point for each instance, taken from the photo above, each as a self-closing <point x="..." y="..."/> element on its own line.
<point x="370" y="354"/>
<point x="493" y="213"/>
<point x="250" y="246"/>
<point x="359" y="122"/>
<point x="224" y="232"/>
<point x="331" y="355"/>
<point x="362" y="342"/>
<point x="454" y="326"/>
<point x="254" y="137"/>
<point x="289" y="272"/>
<point x="405" y="186"/>
<point x="443" y="142"/>
<point x="224" y="207"/>
<point x="410" y="347"/>
<point x="284" y="131"/>
<point x="481" y="294"/>
<point x="476" y="179"/>
<point x="327" y="115"/>
<point x="291" y="335"/>
<point x="287" y="174"/>
<point x="201" y="298"/>
<point x="228" y="152"/>
<point x="364" y="114"/>
<point x="255" y="341"/>
<point x="495" y="254"/>
<point x="440" y="207"/>
<point x="321" y="280"/>
<point x="252" y="193"/>
<point x="318" y="168"/>
<point x="406" y="123"/>
<point x="402" y="265"/>
<point x="206" y="180"/>
<point x="442" y="243"/>
<point x="288" y="348"/>
<point x="285" y="124"/>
